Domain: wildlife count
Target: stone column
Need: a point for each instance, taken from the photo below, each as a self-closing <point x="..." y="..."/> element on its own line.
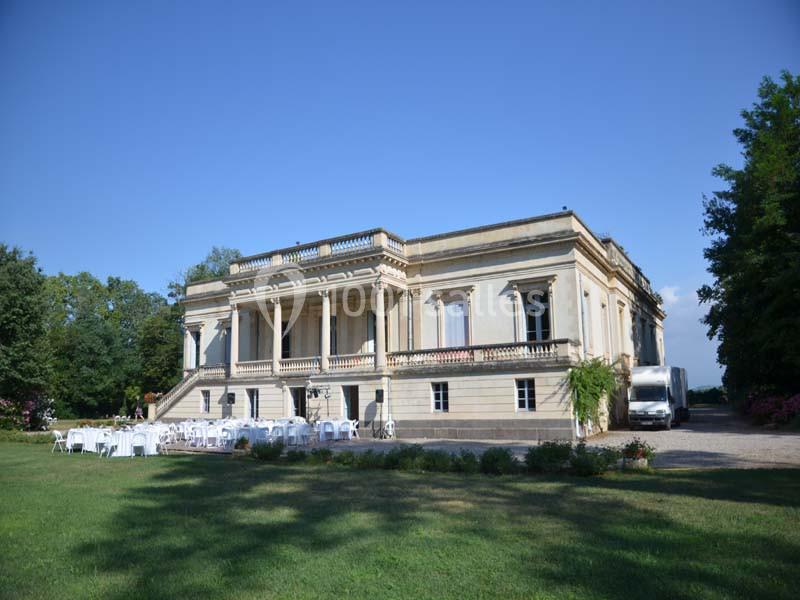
<point x="188" y="348"/>
<point x="380" y="327"/>
<point x="234" y="338"/>
<point x="402" y="322"/>
<point x="439" y="321"/>
<point x="416" y="319"/>
<point x="325" y="351"/>
<point x="519" y="312"/>
<point x="277" y="334"/>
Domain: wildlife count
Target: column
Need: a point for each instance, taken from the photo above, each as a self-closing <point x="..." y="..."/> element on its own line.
<point x="188" y="348"/>
<point x="325" y="351"/>
<point x="416" y="319"/>
<point x="380" y="327"/>
<point x="403" y="322"/>
<point x="277" y="334"/>
<point x="439" y="321"/>
<point x="234" y="338"/>
<point x="470" y="339"/>
<point x="518" y="314"/>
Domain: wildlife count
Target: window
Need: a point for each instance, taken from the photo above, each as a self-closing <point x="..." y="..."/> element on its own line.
<point x="206" y="402"/>
<point x="537" y="316"/>
<point x="227" y="345"/>
<point x="455" y="324"/>
<point x="196" y="338"/>
<point x="440" y="400"/>
<point x="526" y="394"/>
<point x="252" y="395"/>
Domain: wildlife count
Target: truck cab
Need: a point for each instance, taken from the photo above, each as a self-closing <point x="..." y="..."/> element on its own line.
<point x="657" y="397"/>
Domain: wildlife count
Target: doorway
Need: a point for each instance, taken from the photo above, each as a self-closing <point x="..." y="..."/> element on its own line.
<point x="350" y="393"/>
<point x="299" y="401"/>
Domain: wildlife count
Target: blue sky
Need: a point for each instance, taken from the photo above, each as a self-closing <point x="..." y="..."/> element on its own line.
<point x="136" y="135"/>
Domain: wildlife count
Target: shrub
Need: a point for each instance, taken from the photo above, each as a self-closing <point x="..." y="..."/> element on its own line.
<point x="774" y="409"/>
<point x="465" y="462"/>
<point x="370" y="460"/>
<point x="295" y="456"/>
<point x="498" y="461"/>
<point x="636" y="448"/>
<point x="403" y="457"/>
<point x="345" y="458"/>
<point x="434" y="460"/>
<point x="588" y="382"/>
<point x="586" y="462"/>
<point x="242" y="443"/>
<point x="26" y="438"/>
<point x="270" y="451"/>
<point x="548" y="457"/>
<point x="321" y="456"/>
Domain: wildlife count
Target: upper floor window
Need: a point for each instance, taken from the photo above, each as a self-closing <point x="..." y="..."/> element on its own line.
<point x="205" y="406"/>
<point x="537" y="315"/>
<point x="441" y="400"/>
<point x="455" y="323"/>
<point x="286" y="341"/>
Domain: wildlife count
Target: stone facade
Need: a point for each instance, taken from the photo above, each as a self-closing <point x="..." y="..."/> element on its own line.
<point x="497" y="314"/>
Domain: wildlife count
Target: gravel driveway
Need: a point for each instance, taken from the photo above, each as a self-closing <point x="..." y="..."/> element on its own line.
<point x="714" y="438"/>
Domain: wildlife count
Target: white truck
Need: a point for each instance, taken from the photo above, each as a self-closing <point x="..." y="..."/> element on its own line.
<point x="657" y="397"/>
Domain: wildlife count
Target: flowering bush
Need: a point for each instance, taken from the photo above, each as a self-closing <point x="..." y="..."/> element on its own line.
<point x="774" y="409"/>
<point x="150" y="398"/>
<point x="28" y="414"/>
<point x="637" y="448"/>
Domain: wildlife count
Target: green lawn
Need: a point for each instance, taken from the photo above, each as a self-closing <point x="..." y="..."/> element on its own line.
<point x="196" y="526"/>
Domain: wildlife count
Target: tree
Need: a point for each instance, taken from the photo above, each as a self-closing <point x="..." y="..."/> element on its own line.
<point x="24" y="357"/>
<point x="95" y="331"/>
<point x="754" y="254"/>
<point x="214" y="265"/>
<point x="161" y="349"/>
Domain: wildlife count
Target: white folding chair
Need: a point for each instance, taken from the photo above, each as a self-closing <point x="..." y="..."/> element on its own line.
<point x="226" y="437"/>
<point x="354" y="427"/>
<point x="212" y="434"/>
<point x="291" y="435"/>
<point x="104" y="442"/>
<point x="163" y="442"/>
<point x="77" y="438"/>
<point x="276" y="433"/>
<point x="345" y="433"/>
<point x="59" y="441"/>
<point x="328" y="431"/>
<point x="388" y="429"/>
<point x="139" y="441"/>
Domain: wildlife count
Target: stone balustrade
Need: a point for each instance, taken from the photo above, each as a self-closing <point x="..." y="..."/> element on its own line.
<point x="254" y="367"/>
<point x="351" y="362"/>
<point x="308" y="364"/>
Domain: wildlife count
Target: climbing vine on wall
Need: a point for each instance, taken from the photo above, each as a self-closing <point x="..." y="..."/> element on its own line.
<point x="589" y="382"/>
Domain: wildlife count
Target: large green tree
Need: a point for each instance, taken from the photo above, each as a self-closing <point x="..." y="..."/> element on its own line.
<point x="754" y="254"/>
<point x="214" y="265"/>
<point x="94" y="330"/>
<point x="161" y="349"/>
<point x="24" y="356"/>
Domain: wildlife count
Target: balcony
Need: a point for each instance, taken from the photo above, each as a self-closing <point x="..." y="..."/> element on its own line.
<point x="553" y="352"/>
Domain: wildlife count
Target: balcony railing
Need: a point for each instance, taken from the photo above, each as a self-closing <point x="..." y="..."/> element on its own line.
<point x="254" y="367"/>
<point x="351" y="362"/>
<point x="527" y="351"/>
<point x="441" y="356"/>
<point x="308" y="364"/>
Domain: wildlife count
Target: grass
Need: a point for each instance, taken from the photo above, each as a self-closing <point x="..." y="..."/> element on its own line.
<point x="202" y="526"/>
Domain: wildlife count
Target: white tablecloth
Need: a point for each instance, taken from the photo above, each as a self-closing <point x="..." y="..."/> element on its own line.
<point x="85" y="435"/>
<point x="123" y="441"/>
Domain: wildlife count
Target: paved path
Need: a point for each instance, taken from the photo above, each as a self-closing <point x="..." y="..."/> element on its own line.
<point x="714" y="438"/>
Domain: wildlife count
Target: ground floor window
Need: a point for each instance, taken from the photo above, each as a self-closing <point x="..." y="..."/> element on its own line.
<point x="526" y="394"/>
<point x="299" y="402"/>
<point x="252" y="395"/>
<point x="205" y="406"/>
<point x="441" y="402"/>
